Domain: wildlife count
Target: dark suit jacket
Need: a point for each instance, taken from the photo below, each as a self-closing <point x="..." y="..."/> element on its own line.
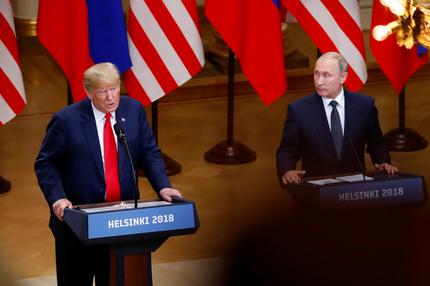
<point x="69" y="164"/>
<point x="307" y="136"/>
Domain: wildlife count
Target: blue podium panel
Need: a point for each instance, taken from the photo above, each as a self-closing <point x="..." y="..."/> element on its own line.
<point x="390" y="191"/>
<point x="122" y="222"/>
<point x="376" y="190"/>
<point x="141" y="220"/>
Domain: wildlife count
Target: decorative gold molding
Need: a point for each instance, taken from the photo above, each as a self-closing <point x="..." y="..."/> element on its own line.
<point x="25" y="27"/>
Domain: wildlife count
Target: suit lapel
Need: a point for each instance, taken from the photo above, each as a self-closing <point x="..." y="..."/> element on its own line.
<point x="122" y="156"/>
<point x="90" y="131"/>
<point x="350" y="115"/>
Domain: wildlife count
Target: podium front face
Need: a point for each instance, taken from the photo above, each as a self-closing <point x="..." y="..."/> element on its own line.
<point x="132" y="231"/>
<point x="382" y="189"/>
<point x="122" y="222"/>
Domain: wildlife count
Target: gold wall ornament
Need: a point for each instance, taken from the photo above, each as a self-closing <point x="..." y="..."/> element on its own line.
<point x="412" y="24"/>
<point x="423" y="34"/>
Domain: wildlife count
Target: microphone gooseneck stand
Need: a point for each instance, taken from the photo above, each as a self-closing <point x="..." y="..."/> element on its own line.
<point x="119" y="130"/>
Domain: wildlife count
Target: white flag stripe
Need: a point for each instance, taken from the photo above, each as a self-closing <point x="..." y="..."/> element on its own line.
<point x="156" y="83"/>
<point x="186" y="24"/>
<point x="353" y="10"/>
<point x="339" y="38"/>
<point x="161" y="43"/>
<point x="6" y="10"/>
<point x="6" y="113"/>
<point x="11" y="69"/>
<point x="144" y="75"/>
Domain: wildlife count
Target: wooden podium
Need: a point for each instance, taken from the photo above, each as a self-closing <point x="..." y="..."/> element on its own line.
<point x="131" y="231"/>
<point x="372" y="189"/>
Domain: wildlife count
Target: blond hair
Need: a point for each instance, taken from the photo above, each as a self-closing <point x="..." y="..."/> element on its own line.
<point x="102" y="73"/>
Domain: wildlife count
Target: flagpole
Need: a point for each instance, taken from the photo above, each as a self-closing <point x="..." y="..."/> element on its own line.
<point x="172" y="167"/>
<point x="403" y="139"/>
<point x="230" y="151"/>
<point x="69" y="94"/>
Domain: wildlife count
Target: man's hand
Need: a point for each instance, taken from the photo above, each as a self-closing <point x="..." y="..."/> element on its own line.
<point x="59" y="206"/>
<point x="385" y="167"/>
<point x="293" y="176"/>
<point x="167" y="194"/>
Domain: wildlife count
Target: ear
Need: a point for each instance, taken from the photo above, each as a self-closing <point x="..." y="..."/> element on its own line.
<point x="90" y="96"/>
<point x="343" y="77"/>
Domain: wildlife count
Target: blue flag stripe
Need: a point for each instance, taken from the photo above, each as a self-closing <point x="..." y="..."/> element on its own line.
<point x="107" y="33"/>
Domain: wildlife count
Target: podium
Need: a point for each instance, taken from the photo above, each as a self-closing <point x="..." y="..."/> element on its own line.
<point x="128" y="230"/>
<point x="375" y="189"/>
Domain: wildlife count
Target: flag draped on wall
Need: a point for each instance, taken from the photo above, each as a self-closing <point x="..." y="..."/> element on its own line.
<point x="335" y="26"/>
<point x="165" y="47"/>
<point x="398" y="63"/>
<point x="78" y="35"/>
<point x="252" y="30"/>
<point x="12" y="93"/>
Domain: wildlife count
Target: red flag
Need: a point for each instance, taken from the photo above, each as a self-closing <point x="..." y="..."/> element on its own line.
<point x="78" y="35"/>
<point x="252" y="30"/>
<point x="398" y="63"/>
<point x="165" y="47"/>
<point x="62" y="27"/>
<point x="335" y="26"/>
<point x="12" y="93"/>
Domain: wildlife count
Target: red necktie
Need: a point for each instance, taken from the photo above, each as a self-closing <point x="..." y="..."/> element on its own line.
<point x="113" y="192"/>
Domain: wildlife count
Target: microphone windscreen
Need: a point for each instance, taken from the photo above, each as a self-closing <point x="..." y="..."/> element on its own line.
<point x="118" y="128"/>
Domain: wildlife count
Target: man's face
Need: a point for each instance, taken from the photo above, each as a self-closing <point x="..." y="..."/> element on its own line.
<point x="327" y="78"/>
<point x="105" y="97"/>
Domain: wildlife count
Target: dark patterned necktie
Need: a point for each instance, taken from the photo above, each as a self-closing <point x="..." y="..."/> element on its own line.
<point x="336" y="129"/>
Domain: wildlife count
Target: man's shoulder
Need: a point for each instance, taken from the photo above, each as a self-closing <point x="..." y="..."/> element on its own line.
<point x="359" y="98"/>
<point x="130" y="107"/>
<point x="74" y="109"/>
<point x="127" y="101"/>
<point x="306" y="100"/>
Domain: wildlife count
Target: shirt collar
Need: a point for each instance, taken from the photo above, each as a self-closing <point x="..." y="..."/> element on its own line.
<point x="98" y="115"/>
<point x="340" y="99"/>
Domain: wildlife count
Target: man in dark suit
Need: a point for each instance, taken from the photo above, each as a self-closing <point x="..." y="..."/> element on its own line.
<point x="324" y="134"/>
<point x="76" y="165"/>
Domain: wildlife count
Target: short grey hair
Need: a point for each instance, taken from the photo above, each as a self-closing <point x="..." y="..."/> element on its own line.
<point x="100" y="73"/>
<point x="343" y="64"/>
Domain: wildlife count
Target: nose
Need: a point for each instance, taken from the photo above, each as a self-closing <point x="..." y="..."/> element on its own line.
<point x="319" y="80"/>
<point x="110" y="94"/>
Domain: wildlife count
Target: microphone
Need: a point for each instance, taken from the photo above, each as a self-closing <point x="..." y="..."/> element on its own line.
<point x="119" y="131"/>
<point x="357" y="158"/>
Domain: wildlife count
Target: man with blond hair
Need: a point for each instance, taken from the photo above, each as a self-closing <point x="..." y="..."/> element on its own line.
<point x="80" y="162"/>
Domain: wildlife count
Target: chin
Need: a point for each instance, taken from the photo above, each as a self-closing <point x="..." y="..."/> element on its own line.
<point x="111" y="109"/>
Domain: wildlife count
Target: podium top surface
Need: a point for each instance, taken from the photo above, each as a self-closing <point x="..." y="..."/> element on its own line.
<point x="120" y="206"/>
<point x="355" y="178"/>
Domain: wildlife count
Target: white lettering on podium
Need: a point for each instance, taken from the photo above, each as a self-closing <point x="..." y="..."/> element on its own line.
<point x="362" y="195"/>
<point x="128" y="222"/>
<point x="138" y="221"/>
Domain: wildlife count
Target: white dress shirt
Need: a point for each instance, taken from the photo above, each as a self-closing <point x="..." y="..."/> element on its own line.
<point x="100" y="123"/>
<point x="340" y="99"/>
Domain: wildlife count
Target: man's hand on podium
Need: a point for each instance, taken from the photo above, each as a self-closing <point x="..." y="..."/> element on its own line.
<point x="385" y="167"/>
<point x="292" y="176"/>
<point x="59" y="206"/>
<point x="167" y="194"/>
